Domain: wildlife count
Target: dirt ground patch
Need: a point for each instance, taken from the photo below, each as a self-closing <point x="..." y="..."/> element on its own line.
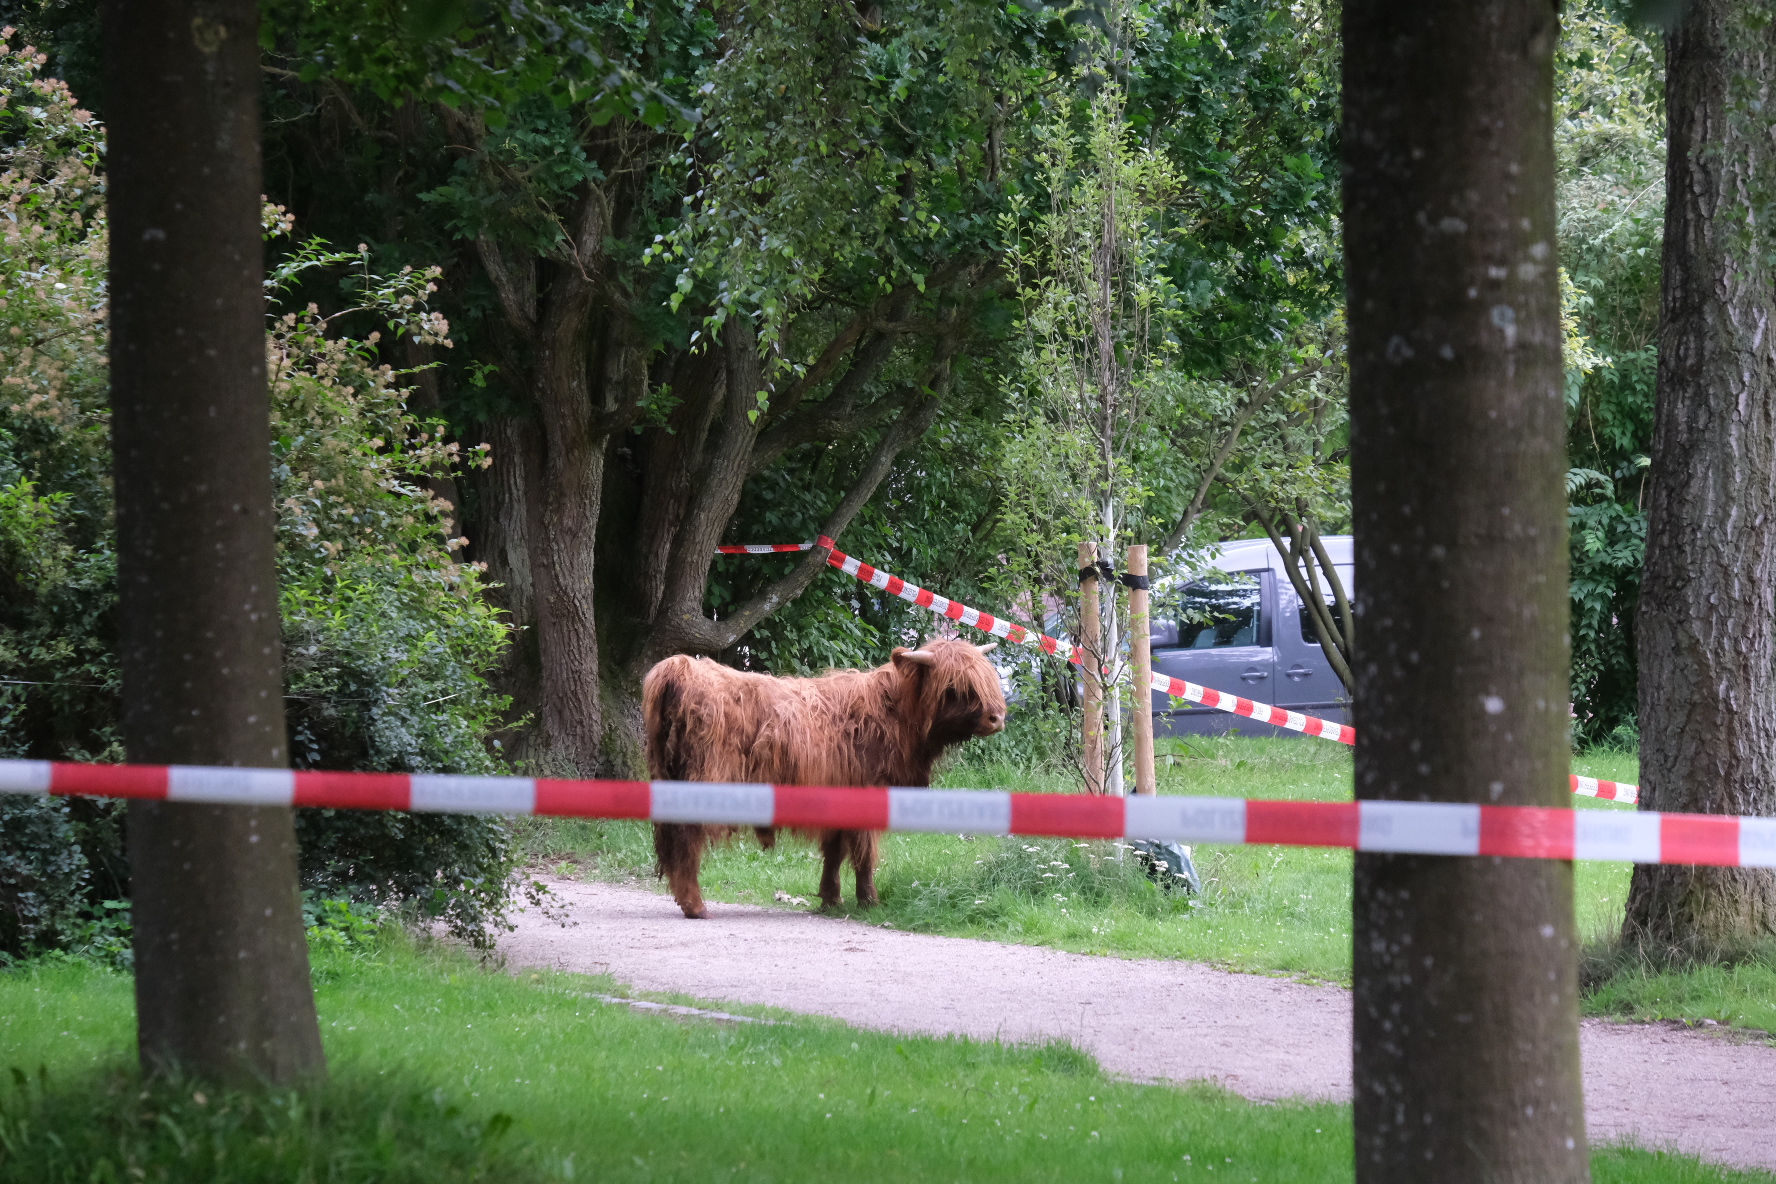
<point x="1660" y="1085"/>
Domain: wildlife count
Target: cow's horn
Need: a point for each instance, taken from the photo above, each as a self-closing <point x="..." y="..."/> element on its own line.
<point x="988" y="648"/>
<point x="919" y="657"/>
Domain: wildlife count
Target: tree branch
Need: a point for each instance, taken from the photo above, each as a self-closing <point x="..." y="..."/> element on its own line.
<point x="913" y="423"/>
<point x="1330" y="641"/>
<point x="513" y="284"/>
<point x="1175" y="537"/>
<point x="690" y="631"/>
<point x="834" y="415"/>
<point x="829" y="358"/>
<point x="839" y="413"/>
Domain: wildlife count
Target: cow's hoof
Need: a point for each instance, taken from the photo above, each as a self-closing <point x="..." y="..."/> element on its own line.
<point x="829" y="906"/>
<point x="695" y="912"/>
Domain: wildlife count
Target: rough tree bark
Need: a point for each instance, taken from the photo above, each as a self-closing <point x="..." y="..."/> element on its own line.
<point x="1706" y="629"/>
<point x="1466" y="1019"/>
<point x="585" y="384"/>
<point x="222" y="983"/>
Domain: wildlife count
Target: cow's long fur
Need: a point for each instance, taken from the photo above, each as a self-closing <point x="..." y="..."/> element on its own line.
<point x="887" y="726"/>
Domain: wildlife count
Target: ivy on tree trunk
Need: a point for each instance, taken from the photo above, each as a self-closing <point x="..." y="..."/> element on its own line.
<point x="1466" y="1052"/>
<point x="222" y="983"/>
<point x="1706" y="624"/>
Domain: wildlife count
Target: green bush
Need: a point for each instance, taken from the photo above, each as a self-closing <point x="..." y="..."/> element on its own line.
<point x="388" y="640"/>
<point x="42" y="874"/>
<point x="1610" y="136"/>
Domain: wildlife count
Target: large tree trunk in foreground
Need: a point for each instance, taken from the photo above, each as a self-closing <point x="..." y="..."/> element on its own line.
<point x="1466" y="1017"/>
<point x="222" y="985"/>
<point x="1706" y="629"/>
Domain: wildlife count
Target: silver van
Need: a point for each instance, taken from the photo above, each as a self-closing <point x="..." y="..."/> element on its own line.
<point x="1242" y="630"/>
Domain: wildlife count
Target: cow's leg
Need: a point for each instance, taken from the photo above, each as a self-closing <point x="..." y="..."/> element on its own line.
<point x="832" y="854"/>
<point x="865" y="845"/>
<point x="678" y="847"/>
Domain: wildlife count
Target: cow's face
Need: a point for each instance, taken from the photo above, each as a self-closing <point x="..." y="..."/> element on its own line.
<point x="958" y="689"/>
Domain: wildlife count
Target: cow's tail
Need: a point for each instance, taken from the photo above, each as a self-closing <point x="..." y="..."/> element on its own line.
<point x="662" y="713"/>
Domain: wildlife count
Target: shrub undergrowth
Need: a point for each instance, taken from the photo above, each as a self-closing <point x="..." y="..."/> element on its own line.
<point x="388" y="640"/>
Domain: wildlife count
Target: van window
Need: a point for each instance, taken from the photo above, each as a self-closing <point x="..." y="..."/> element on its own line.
<point x="1307" y="626"/>
<point x="1224" y="612"/>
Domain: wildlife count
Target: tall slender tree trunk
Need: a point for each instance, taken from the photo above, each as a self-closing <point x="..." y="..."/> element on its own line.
<point x="222" y="984"/>
<point x="1706" y="629"/>
<point x="1466" y="1018"/>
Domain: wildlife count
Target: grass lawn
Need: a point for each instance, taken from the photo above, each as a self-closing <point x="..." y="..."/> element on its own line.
<point x="445" y="1071"/>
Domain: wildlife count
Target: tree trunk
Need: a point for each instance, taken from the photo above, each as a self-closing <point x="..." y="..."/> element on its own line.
<point x="1707" y="637"/>
<point x="563" y="537"/>
<point x="545" y="502"/>
<point x="1466" y="1011"/>
<point x="499" y="536"/>
<point x="222" y="984"/>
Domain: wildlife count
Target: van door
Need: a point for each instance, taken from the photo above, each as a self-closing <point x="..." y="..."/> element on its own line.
<point x="1304" y="679"/>
<point x="1217" y="632"/>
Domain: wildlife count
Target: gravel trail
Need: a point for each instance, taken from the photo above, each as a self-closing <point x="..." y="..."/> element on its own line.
<point x="1662" y="1086"/>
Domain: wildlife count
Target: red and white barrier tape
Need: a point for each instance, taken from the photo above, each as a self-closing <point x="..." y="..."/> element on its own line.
<point x="1177" y="688"/>
<point x="1615" y="791"/>
<point x="762" y="548"/>
<point x="1422" y="828"/>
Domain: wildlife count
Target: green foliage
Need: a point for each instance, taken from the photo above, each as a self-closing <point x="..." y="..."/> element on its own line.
<point x="1610" y="139"/>
<point x="458" y="869"/>
<point x="42" y="874"/>
<point x="57" y="574"/>
<point x="841" y="153"/>
<point x="1242" y="95"/>
<point x="1099" y="308"/>
<point x="389" y="641"/>
<point x="479" y="55"/>
<point x="340" y="925"/>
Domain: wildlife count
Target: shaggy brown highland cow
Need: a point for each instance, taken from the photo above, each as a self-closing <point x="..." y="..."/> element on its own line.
<point x="887" y="726"/>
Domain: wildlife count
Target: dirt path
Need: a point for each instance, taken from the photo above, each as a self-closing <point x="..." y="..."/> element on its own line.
<point x="1662" y="1086"/>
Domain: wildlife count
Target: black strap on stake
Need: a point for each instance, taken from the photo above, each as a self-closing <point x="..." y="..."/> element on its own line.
<point x="1102" y="570"/>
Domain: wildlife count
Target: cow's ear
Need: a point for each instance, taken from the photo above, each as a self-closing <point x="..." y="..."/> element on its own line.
<point x="903" y="658"/>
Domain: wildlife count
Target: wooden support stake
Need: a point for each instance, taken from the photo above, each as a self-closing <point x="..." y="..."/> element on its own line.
<point x="1141" y="643"/>
<point x="1092" y="728"/>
